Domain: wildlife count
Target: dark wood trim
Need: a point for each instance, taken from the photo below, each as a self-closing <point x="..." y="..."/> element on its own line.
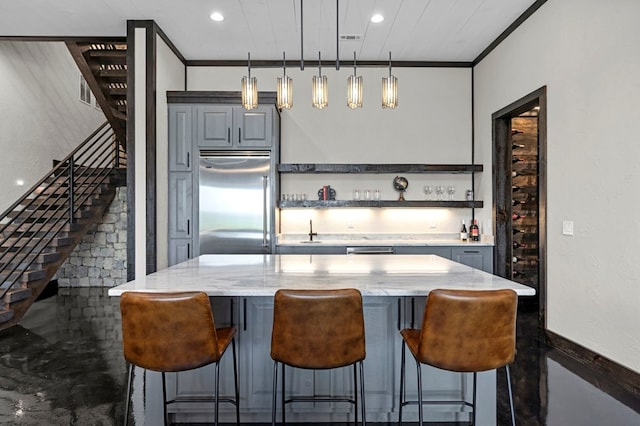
<point x="501" y="212"/>
<point x="63" y="39"/>
<point x="277" y="63"/>
<point x="610" y="371"/>
<point x="151" y="184"/>
<point x="379" y="203"/>
<point x="167" y="40"/>
<point x="378" y="168"/>
<point x="216" y="97"/>
<point x="131" y="157"/>
<point x="510" y="29"/>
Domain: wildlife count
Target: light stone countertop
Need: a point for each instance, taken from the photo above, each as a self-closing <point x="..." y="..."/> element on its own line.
<point x="444" y="239"/>
<point x="373" y="275"/>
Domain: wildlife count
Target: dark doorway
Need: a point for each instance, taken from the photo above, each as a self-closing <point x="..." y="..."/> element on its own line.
<point x="519" y="195"/>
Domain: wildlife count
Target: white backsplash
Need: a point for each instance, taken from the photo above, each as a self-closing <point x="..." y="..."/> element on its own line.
<point x="376" y="221"/>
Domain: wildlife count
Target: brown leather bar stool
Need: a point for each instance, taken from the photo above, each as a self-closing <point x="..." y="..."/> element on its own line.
<point x="463" y="331"/>
<point x="172" y="332"/>
<point x="318" y="329"/>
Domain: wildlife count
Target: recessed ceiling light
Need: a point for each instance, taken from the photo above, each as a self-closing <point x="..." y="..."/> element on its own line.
<point x="217" y="16"/>
<point x="377" y="18"/>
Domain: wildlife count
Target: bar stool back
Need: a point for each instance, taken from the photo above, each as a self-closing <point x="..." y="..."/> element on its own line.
<point x="172" y="332"/>
<point x="463" y="331"/>
<point x="318" y="329"/>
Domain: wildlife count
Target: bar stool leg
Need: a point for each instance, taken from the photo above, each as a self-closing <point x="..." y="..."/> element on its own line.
<point x="355" y="392"/>
<point x="275" y="392"/>
<point x="474" y="418"/>
<point x="513" y="413"/>
<point x="419" y="393"/>
<point x="362" y="405"/>
<point x="283" y="393"/>
<point x="128" y="400"/>
<point x="401" y="384"/>
<point x="164" y="401"/>
<point x="217" y="379"/>
<point x="235" y="379"/>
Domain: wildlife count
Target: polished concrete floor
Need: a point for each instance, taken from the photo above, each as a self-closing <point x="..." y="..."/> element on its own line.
<point x="63" y="365"/>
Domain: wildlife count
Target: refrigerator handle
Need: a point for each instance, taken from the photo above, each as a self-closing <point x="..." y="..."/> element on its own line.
<point x="265" y="182"/>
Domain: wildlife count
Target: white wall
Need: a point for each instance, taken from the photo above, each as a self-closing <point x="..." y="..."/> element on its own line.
<point x="41" y="115"/>
<point x="586" y="52"/>
<point x="432" y="124"/>
<point x="170" y="75"/>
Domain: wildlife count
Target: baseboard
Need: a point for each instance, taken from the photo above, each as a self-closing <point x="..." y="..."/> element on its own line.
<point x="611" y="371"/>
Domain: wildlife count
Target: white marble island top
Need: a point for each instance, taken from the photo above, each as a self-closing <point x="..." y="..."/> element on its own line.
<point x="373" y="275"/>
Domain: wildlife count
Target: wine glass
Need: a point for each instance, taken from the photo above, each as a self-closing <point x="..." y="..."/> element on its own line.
<point x="451" y="189"/>
<point x="439" y="191"/>
<point x="428" y="190"/>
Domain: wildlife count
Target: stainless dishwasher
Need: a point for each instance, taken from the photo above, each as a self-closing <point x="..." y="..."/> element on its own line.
<point x="371" y="250"/>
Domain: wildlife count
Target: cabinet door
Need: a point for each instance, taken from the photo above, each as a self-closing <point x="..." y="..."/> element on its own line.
<point x="437" y="250"/>
<point x="476" y="257"/>
<point x="253" y="128"/>
<point x="180" y="249"/>
<point x="180" y="205"/>
<point x="214" y="125"/>
<point x="180" y="138"/>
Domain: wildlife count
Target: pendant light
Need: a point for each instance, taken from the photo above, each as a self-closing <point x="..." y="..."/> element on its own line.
<point x="284" y="96"/>
<point x="320" y="88"/>
<point x="389" y="89"/>
<point x="249" y="88"/>
<point x="354" y="88"/>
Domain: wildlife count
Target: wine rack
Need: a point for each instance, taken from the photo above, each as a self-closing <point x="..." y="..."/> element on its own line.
<point x="524" y="201"/>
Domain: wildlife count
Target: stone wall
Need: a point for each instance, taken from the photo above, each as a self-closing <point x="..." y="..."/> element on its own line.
<point x="100" y="258"/>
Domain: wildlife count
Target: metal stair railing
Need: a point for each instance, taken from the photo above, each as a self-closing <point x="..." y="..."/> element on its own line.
<point x="54" y="202"/>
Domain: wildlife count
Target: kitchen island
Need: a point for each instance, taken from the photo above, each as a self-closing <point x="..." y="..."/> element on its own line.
<point x="394" y="288"/>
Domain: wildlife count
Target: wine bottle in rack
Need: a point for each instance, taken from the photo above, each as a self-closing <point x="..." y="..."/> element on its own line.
<point x="517" y="245"/>
<point x="517" y="146"/>
<point x="517" y="216"/>
<point x="524" y="172"/>
<point x="517" y="231"/>
<point x="515" y="132"/>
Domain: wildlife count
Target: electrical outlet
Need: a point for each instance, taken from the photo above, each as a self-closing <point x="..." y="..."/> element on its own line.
<point x="567" y="227"/>
<point x="433" y="224"/>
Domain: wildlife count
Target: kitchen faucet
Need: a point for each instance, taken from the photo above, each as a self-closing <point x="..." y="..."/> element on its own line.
<point x="311" y="233"/>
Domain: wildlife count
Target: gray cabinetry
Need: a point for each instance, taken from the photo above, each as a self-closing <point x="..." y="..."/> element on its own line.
<point x="194" y="127"/>
<point x="180" y="138"/>
<point x="312" y="249"/>
<point x="476" y="257"/>
<point x="220" y="126"/>
<point x="441" y="251"/>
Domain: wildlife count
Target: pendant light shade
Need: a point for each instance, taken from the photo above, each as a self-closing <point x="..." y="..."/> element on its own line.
<point x="284" y="94"/>
<point x="249" y="88"/>
<point x="320" y="88"/>
<point x="389" y="89"/>
<point x="354" y="88"/>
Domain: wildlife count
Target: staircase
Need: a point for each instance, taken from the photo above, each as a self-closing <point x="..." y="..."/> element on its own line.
<point x="41" y="229"/>
<point x="103" y="65"/>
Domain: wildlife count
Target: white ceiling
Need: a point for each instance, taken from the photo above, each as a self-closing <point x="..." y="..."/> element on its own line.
<point x="413" y="30"/>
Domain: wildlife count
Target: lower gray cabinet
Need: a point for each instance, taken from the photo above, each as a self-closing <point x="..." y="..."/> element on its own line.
<point x="476" y="257"/>
<point x="180" y="249"/>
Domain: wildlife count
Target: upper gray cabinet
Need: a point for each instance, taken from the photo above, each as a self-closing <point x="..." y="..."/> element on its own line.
<point x="180" y="137"/>
<point x="220" y="126"/>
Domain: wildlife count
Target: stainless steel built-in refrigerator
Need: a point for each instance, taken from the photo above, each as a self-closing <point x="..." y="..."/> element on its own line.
<point x="235" y="202"/>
